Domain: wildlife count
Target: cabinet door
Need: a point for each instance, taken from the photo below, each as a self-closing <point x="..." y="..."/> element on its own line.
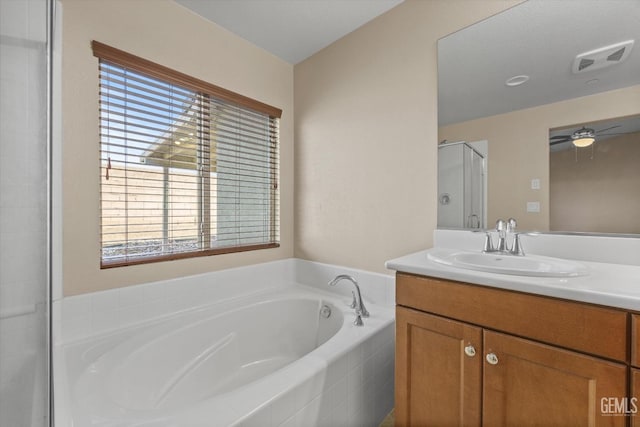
<point x="438" y="371"/>
<point x="531" y="384"/>
<point x="634" y="401"/>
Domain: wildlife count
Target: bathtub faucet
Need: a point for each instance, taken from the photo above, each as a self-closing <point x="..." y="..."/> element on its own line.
<point x="361" y="310"/>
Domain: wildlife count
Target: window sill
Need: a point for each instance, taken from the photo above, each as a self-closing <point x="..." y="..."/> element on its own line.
<point x="153" y="259"/>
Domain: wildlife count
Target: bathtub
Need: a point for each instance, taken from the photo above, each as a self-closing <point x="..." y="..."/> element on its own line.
<point x="286" y="356"/>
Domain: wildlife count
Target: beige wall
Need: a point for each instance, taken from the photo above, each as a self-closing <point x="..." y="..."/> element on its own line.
<point x="164" y="32"/>
<point x="366" y="136"/>
<point x="518" y="149"/>
<point x="592" y="192"/>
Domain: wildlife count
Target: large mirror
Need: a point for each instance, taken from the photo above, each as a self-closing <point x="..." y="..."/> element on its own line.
<point x="530" y="81"/>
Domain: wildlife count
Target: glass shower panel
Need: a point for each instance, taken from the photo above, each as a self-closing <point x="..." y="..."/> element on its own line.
<point x="461" y="186"/>
<point x="24" y="189"/>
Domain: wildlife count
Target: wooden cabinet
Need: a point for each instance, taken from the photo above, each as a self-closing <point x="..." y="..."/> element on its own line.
<point x="460" y="361"/>
<point x="438" y="383"/>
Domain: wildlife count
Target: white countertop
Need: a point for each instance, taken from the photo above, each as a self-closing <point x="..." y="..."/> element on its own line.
<point x="614" y="285"/>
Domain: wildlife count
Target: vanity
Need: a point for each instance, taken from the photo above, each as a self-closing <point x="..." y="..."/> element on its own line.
<point x="508" y="349"/>
<point x="530" y="125"/>
<point x="553" y="338"/>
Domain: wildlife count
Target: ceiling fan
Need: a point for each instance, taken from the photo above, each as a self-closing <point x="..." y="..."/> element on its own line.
<point x="582" y="137"/>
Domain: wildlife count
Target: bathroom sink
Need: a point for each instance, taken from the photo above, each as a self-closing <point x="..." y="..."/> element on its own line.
<point x="528" y="265"/>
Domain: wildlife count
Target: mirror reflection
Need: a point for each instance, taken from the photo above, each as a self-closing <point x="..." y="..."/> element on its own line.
<point x="525" y="80"/>
<point x="594" y="171"/>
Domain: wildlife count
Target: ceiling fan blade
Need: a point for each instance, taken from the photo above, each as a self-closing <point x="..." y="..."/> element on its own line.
<point x="559" y="141"/>
<point x="560" y="137"/>
<point x="605" y="129"/>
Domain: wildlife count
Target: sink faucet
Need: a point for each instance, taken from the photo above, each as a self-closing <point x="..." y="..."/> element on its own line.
<point x="361" y="310"/>
<point x="504" y="228"/>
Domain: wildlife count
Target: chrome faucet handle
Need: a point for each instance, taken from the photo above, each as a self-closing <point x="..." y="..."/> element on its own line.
<point x="488" y="243"/>
<point x="517" y="246"/>
<point x="358" y="321"/>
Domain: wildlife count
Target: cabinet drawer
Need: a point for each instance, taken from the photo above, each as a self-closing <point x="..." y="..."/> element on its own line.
<point x="583" y="327"/>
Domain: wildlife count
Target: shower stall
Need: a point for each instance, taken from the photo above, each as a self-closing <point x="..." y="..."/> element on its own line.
<point x="24" y="213"/>
<point x="462" y="185"/>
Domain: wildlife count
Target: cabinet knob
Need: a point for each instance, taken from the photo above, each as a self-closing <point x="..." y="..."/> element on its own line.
<point x="470" y="350"/>
<point x="492" y="358"/>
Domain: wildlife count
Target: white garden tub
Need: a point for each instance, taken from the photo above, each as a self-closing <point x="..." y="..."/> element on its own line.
<point x="269" y="358"/>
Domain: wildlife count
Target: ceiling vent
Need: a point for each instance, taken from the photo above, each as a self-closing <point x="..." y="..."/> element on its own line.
<point x="602" y="57"/>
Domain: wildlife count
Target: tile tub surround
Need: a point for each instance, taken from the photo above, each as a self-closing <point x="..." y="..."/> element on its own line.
<point x="86" y="315"/>
<point x="357" y="389"/>
<point x="354" y="388"/>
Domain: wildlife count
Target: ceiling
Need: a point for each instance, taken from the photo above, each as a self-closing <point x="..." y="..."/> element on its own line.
<point x="538" y="38"/>
<point x="293" y="30"/>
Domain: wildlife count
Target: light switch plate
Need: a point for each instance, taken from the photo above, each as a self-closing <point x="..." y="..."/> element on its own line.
<point x="535" y="184"/>
<point x="533" y="206"/>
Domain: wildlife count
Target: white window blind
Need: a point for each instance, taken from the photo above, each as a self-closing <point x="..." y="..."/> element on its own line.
<point x="183" y="172"/>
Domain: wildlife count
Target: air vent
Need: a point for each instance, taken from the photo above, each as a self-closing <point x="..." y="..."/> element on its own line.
<point x="617" y="56"/>
<point x="584" y="63"/>
<point x="602" y="57"/>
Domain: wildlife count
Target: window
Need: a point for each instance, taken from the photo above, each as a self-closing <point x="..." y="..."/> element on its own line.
<point x="187" y="168"/>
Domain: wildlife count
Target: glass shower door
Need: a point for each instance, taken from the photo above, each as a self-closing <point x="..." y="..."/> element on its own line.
<point x="461" y="186"/>
<point x="24" y="189"/>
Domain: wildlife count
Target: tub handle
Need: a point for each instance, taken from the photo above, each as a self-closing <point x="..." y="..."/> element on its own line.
<point x="358" y="321"/>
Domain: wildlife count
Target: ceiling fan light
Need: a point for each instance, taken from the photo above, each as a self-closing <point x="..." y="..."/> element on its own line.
<point x="584" y="141"/>
<point x="583" y="137"/>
